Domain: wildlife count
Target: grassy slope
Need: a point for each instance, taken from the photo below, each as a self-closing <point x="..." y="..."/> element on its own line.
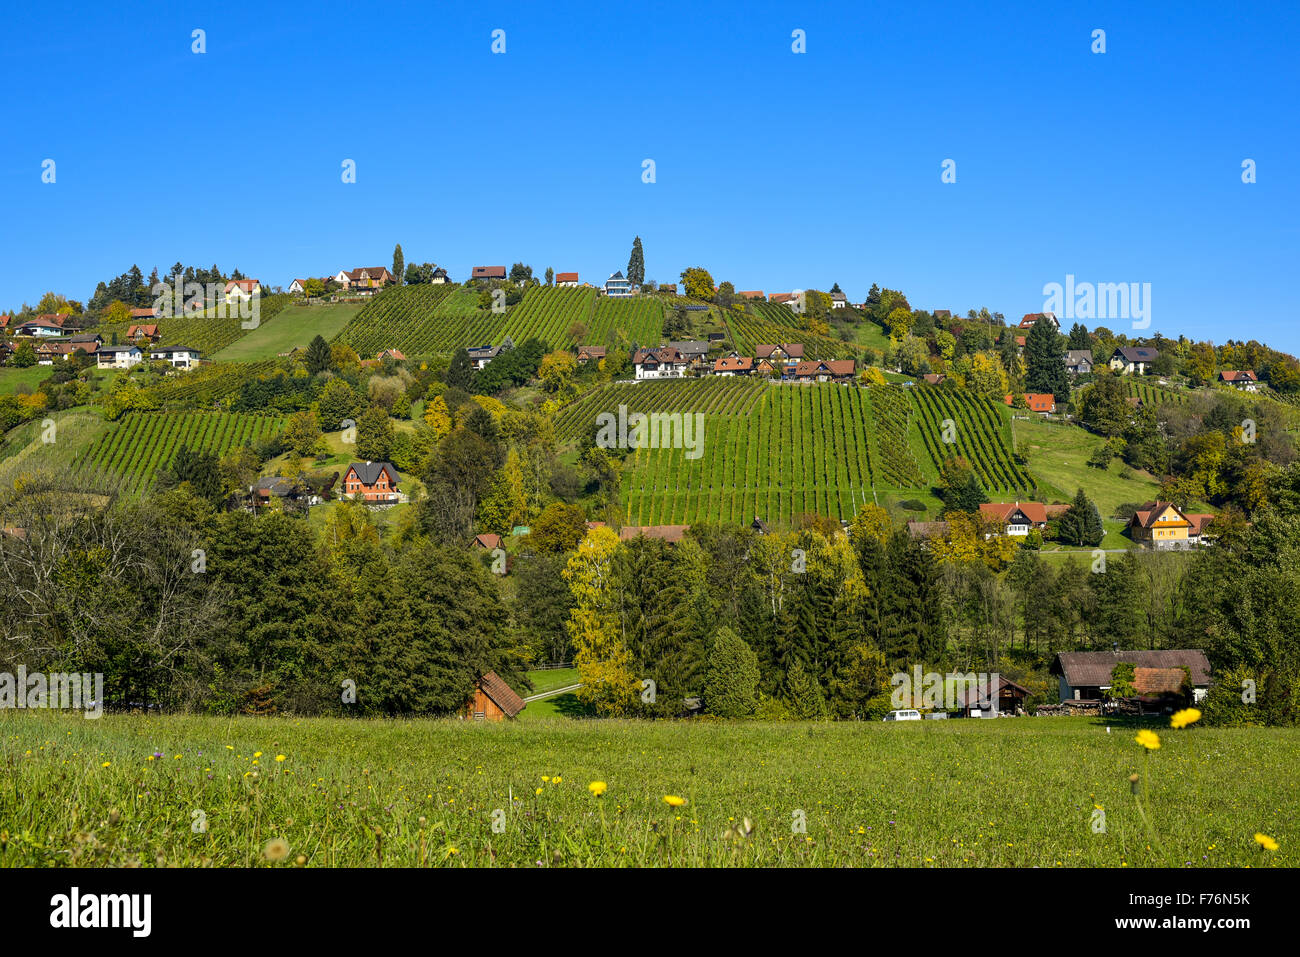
<point x="295" y="326"/>
<point x="23" y="451"/>
<point x="11" y="377"/>
<point x="1057" y="456"/>
<point x="1016" y="792"/>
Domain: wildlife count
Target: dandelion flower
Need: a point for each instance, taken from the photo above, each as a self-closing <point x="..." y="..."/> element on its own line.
<point x="1266" y="842"/>
<point x="557" y="780"/>
<point x="538" y="791"/>
<point x="597" y="788"/>
<point x="257" y="754"/>
<point x="672" y="800"/>
<point x="279" y="757"/>
<point x="277" y="849"/>
<point x="106" y="764"/>
<point x="1148" y="739"/>
<point x="1182" y="719"/>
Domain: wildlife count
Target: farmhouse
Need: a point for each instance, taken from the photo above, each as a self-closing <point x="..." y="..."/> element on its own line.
<point x="373" y="481"/>
<point x="1078" y="361"/>
<point x="1016" y="518"/>
<point x="147" y="332"/>
<point x="180" y="357"/>
<point x="439" y="276"/>
<point x="298" y="286"/>
<point x="395" y="354"/>
<point x="1042" y="402"/>
<point x="46" y="325"/>
<point x="1032" y="317"/>
<point x="1133" y="359"/>
<point x="696" y="354"/>
<point x="242" y="289"/>
<point x="87" y="342"/>
<point x="369" y="278"/>
<point x="488" y="272"/>
<point x="568" y="279"/>
<point x="493" y="700"/>
<point x="934" y="378"/>
<point x="780" y="358"/>
<point x="488" y="540"/>
<point x="118" y="357"/>
<point x="1086" y="675"/>
<point x="145" y="313"/>
<point x="662" y="363"/>
<point x="995" y="694"/>
<point x="47" y="352"/>
<point x="751" y="294"/>
<point x="1164" y="525"/>
<point x="285" y="489"/>
<point x="839" y="300"/>
<point x="733" y="365"/>
<point x="787" y="298"/>
<point x="825" y="370"/>
<point x="480" y="356"/>
<point x="1243" y="380"/>
<point x="617" y="285"/>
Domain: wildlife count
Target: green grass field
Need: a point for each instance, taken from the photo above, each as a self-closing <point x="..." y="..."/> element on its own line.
<point x="296" y="325"/>
<point x="12" y="377"/>
<point x="23" y="450"/>
<point x="192" y="791"/>
<point x="1058" y="454"/>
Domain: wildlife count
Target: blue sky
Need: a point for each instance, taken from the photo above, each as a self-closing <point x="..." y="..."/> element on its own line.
<point x="774" y="170"/>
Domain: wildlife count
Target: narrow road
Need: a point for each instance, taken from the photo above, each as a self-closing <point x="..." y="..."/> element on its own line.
<point x="552" y="693"/>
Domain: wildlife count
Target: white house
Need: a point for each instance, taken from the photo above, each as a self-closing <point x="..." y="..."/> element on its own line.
<point x="617" y="285"/>
<point x="480" y="356"/>
<point x="298" y="286"/>
<point x="839" y="300"/>
<point x="118" y="357"/>
<point x="662" y="363"/>
<point x="238" y="289"/>
<point x="1133" y="359"/>
<point x="343" y="278"/>
<point x="180" y="357"/>
<point x="568" y="279"/>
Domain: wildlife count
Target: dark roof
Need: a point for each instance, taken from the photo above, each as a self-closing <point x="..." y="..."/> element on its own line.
<point x="1137" y="354"/>
<point x="501" y="694"/>
<point x="368" y="472"/>
<point x="691" y="348"/>
<point x="669" y="533"/>
<point x="1091" y="669"/>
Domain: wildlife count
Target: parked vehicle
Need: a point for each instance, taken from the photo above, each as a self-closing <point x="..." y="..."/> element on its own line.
<point x="904" y="715"/>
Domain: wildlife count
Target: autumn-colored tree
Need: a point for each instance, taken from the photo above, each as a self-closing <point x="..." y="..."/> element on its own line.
<point x="603" y="661"/>
<point x="556" y="370"/>
<point x="697" y="283"/>
<point x="872" y="521"/>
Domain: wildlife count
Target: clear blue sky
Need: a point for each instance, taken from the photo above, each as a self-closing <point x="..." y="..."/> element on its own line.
<point x="775" y="170"/>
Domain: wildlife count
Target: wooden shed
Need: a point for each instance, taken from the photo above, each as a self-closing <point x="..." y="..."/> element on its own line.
<point x="493" y="700"/>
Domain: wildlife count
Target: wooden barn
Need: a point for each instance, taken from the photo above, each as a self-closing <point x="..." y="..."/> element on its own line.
<point x="493" y="700"/>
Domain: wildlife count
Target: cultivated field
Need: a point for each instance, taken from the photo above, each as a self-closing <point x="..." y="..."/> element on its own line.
<point x="1016" y="792"/>
<point x="295" y="326"/>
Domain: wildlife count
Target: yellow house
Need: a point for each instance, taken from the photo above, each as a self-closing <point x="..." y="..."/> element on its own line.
<point x="1165" y="525"/>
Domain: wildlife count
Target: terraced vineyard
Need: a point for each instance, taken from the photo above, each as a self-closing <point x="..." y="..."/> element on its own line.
<point x="143" y="442"/>
<point x="774" y="323"/>
<point x="420" y="319"/>
<point x="639" y="319"/>
<point x="730" y="395"/>
<point x="796" y="449"/>
<point x="890" y="421"/>
<point x="1152" y="394"/>
<point x="981" y="434"/>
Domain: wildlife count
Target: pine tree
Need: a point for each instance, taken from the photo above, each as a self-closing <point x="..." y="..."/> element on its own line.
<point x="399" y="264"/>
<point x="318" y="355"/>
<point x="1045" y="361"/>
<point x="460" y="373"/>
<point x="804" y="694"/>
<point x="636" y="264"/>
<point x="550" y="276"/>
<point x="731" y="678"/>
<point x="1081" y="523"/>
<point x="1079" y="338"/>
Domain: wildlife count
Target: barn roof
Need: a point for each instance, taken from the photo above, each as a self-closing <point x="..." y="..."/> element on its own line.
<point x="502" y="695"/>
<point x="1091" y="669"/>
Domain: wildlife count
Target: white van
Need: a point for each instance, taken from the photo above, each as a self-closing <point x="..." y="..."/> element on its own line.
<point x="906" y="715"/>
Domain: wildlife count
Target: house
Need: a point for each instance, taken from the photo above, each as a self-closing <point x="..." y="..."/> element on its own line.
<point x="147" y="332"/>
<point x="662" y="363"/>
<point x="395" y="354"/>
<point x="788" y="298"/>
<point x="590" y="354"/>
<point x="780" y="358"/>
<point x="1133" y="359"/>
<point x="617" y="285"/>
<point x="488" y="272"/>
<point x="342" y="278"/>
<point x="87" y="342"/>
<point x="180" y="357"/>
<point x="118" y="357"/>
<point x="1016" y="518"/>
<point x="373" y="481"/>
<point x="47" y="352"/>
<point x="493" y="700"/>
<point x="298" y="286"/>
<point x="482" y="355"/>
<point x="1244" y="379"/>
<point x="733" y="365"/>
<point x="993" y="695"/>
<point x="942" y="315"/>
<point x="751" y="294"/>
<point x="566" y="279"/>
<point x="696" y="354"/>
<point x="1043" y="402"/>
<point x="668" y="287"/>
<point x="1078" y="361"/>
<point x="1164" y="525"/>
<point x="1032" y="317"/>
<point x="488" y="540"/>
<point x="4" y="323"/>
<point x="143" y="313"/>
<point x="369" y="278"/>
<point x="668" y="533"/>
<point x="1086" y="675"/>
<point x="825" y="370"/>
<point x="242" y="289"/>
<point x="934" y="378"/>
<point x="286" y="490"/>
<point x="44" y="326"/>
<point x="439" y="276"/>
<point x="839" y="300"/>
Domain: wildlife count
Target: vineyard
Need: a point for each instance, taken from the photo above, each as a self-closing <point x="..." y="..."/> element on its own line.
<point x="773" y="323"/>
<point x="419" y="319"/>
<point x="979" y="432"/>
<point x="639" y="319"/>
<point x="202" y="330"/>
<point x="891" y="419"/>
<point x="1152" y="394"/>
<point x="143" y="442"/>
<point x="545" y="313"/>
<point x="798" y="449"/>
<point x="208" y="385"/>
<point x="732" y="395"/>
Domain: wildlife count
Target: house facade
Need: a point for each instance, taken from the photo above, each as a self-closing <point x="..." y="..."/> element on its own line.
<point x="733" y="366"/>
<point x="118" y="357"/>
<point x="662" y="363"/>
<point x="480" y="356"/>
<point x="618" y="285"/>
<point x="179" y="357"/>
<point x="568" y="280"/>
<point x="1015" y="518"/>
<point x="377" y="482"/>
<point x="242" y="289"/>
<point x="1243" y="380"/>
<point x="1132" y="360"/>
<point x="1086" y="675"/>
<point x="823" y="370"/>
<point x="1163" y="525"/>
<point x="591" y="354"/>
<point x="1078" y="361"/>
<point x="493" y="700"/>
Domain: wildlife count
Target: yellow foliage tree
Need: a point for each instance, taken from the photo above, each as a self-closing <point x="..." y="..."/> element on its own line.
<point x="603" y="660"/>
<point x="872" y="521"/>
<point x="437" y="416"/>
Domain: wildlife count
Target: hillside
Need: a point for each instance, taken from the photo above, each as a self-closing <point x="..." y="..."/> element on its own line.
<point x="294" y="327"/>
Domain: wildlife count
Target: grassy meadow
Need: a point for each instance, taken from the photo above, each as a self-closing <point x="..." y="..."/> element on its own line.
<point x="191" y="791"/>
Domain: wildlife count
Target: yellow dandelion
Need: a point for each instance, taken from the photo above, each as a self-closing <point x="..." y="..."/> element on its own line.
<point x="279" y="757"/>
<point x="1148" y="739"/>
<point x="557" y="780"/>
<point x="672" y="800"/>
<point x="257" y="754"/>
<point x="277" y="849"/>
<point x="1182" y="719"/>
<point x="597" y="788"/>
<point x="1266" y="842"/>
<point x="106" y="764"/>
<point x="538" y="791"/>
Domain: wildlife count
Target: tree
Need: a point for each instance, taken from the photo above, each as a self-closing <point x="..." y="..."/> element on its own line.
<point x="959" y="487"/>
<point x="725" y="295"/>
<point x="1081" y="523"/>
<point x="697" y="283"/>
<point x="303" y="433"/>
<point x="558" y="529"/>
<point x="437" y="416"/>
<point x="556" y="370"/>
<point x="731" y="678"/>
<point x="1045" y="361"/>
<point x="25" y="356"/>
<point x="337" y="402"/>
<point x="602" y="658"/>
<point x="319" y="358"/>
<point x="313" y="288"/>
<point x="1079" y="338"/>
<point x="520" y="274"/>
<point x="399" y="264"/>
<point x="636" y="263"/>
<point x="550" y="276"/>
<point x="460" y="373"/>
<point x="374" y="435"/>
<point x="804" y="693"/>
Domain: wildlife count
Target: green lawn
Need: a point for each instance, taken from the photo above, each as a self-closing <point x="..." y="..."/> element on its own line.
<point x="1016" y="792"/>
<point x="11" y="377"/>
<point x="549" y="680"/>
<point x="295" y="325"/>
<point x="1057" y="455"/>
